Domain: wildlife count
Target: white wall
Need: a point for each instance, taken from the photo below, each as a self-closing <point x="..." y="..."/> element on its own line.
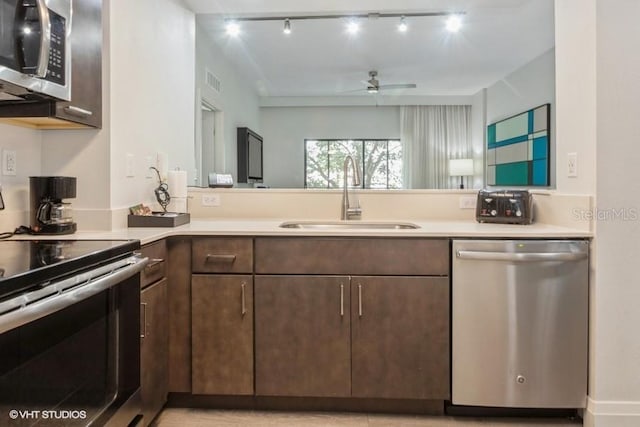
<point x="15" y="189"/>
<point x="615" y="380"/>
<point x="152" y="92"/>
<point x="576" y="93"/>
<point x="284" y="130"/>
<point x="527" y="87"/>
<point x="478" y="139"/>
<point x="238" y="102"/>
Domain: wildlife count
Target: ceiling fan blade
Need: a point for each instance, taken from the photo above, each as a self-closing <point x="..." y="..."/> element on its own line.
<point x="363" y="89"/>
<point x="399" y="86"/>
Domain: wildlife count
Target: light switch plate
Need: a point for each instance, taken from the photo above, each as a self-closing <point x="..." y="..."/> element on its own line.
<point x="130" y="166"/>
<point x="572" y="165"/>
<point x="149" y="163"/>
<point x="9" y="162"/>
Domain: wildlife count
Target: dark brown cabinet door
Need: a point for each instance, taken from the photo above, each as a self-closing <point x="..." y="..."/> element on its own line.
<point x="222" y="334"/>
<point x="85" y="106"/>
<point x="154" y="349"/>
<point x="400" y="337"/>
<point x="302" y="336"/>
<point x="179" y="276"/>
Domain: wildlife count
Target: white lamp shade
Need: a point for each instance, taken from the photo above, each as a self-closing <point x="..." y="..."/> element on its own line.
<point x="460" y="167"/>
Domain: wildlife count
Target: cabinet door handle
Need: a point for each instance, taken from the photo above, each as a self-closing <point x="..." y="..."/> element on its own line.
<point x="220" y="258"/>
<point x="154" y="263"/>
<point x="244" y="307"/>
<point x="341" y="300"/>
<point x="359" y="300"/>
<point x="77" y="111"/>
<point x="143" y="327"/>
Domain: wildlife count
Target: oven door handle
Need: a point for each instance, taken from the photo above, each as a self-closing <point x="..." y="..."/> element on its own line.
<point x="60" y="301"/>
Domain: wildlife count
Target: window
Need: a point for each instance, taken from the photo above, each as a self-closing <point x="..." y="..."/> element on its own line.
<point x="381" y="168"/>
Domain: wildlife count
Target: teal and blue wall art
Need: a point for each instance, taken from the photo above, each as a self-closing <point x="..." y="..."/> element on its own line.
<point x="518" y="149"/>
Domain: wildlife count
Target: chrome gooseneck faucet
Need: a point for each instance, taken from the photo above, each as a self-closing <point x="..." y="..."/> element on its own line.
<point x="349" y="212"/>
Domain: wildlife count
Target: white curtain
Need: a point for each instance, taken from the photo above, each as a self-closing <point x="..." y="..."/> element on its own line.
<point x="430" y="136"/>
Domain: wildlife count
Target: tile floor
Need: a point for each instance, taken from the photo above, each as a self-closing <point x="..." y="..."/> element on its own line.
<point x="182" y="417"/>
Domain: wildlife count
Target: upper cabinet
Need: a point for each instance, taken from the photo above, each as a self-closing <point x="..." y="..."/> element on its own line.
<point x="85" y="107"/>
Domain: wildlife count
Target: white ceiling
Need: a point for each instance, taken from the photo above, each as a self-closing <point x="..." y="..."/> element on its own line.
<point x="320" y="59"/>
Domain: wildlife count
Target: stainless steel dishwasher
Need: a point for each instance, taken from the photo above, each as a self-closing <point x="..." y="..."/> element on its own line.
<point x="520" y="323"/>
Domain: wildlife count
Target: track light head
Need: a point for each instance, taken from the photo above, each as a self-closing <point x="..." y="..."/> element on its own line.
<point x="233" y="28"/>
<point x="353" y="26"/>
<point x="454" y="22"/>
<point x="287" y="26"/>
<point x="402" y="26"/>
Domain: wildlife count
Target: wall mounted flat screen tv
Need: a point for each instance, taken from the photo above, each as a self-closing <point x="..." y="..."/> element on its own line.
<point x="249" y="156"/>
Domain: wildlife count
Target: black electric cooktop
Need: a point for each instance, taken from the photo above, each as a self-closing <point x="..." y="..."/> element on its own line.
<point x="26" y="264"/>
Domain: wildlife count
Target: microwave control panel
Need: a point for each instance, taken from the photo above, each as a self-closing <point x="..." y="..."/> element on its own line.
<point x="57" y="50"/>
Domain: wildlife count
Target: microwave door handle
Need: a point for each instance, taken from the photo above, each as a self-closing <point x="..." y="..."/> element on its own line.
<point x="45" y="39"/>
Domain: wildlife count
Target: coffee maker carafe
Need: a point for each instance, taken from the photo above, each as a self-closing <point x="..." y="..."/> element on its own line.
<point x="49" y="214"/>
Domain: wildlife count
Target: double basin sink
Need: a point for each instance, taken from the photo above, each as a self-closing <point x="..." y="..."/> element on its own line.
<point x="349" y="225"/>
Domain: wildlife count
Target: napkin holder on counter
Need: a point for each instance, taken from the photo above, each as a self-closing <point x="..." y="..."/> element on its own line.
<point x="159" y="219"/>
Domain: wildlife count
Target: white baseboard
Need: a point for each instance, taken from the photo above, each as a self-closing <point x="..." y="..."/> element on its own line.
<point x="603" y="413"/>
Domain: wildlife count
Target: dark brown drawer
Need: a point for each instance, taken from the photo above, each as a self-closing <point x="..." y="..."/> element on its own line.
<point x="361" y="256"/>
<point x="222" y="255"/>
<point x="156" y="269"/>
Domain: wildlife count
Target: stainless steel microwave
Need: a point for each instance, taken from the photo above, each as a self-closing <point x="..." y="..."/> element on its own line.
<point x="35" y="53"/>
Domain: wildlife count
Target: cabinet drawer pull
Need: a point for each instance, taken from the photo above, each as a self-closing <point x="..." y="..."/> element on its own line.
<point x="341" y="300"/>
<point x="143" y="327"/>
<point x="359" y="300"/>
<point x="153" y="263"/>
<point x="244" y="307"/>
<point x="220" y="258"/>
<point x="77" y="111"/>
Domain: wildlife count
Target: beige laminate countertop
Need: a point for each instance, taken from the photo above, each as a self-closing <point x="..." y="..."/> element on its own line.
<point x="451" y="229"/>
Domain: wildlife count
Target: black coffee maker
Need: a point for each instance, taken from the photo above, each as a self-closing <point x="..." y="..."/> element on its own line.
<point x="49" y="214"/>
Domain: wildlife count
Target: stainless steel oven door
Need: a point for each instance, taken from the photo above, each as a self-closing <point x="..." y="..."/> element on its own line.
<point x="35" y="55"/>
<point x="70" y="351"/>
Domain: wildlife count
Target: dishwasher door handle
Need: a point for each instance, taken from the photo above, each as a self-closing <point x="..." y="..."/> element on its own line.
<point x="522" y="256"/>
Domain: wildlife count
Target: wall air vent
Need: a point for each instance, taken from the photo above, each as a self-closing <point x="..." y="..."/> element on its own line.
<point x="213" y="82"/>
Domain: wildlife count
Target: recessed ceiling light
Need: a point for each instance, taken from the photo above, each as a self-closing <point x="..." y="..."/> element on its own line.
<point x="353" y="27"/>
<point x="454" y="22"/>
<point x="287" y="26"/>
<point x="233" y="28"/>
<point x="26" y="30"/>
<point x="402" y="26"/>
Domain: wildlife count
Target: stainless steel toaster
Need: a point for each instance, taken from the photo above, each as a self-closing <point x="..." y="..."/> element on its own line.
<point x="504" y="206"/>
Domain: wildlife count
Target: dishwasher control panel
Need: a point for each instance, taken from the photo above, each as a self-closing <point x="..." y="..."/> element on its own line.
<point x="505" y="206"/>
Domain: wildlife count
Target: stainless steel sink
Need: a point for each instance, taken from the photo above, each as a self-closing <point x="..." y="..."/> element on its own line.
<point x="349" y="225"/>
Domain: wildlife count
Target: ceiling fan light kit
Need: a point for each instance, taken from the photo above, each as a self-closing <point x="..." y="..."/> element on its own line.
<point x="374" y="86"/>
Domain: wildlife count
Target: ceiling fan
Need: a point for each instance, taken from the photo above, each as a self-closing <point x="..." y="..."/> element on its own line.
<point x="374" y="86"/>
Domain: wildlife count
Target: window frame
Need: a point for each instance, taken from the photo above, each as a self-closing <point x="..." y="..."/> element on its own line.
<point x="362" y="171"/>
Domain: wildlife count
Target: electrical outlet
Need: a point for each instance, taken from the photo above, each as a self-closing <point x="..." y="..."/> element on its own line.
<point x="9" y="162"/>
<point x="210" y="200"/>
<point x="467" y="202"/>
<point x="130" y="166"/>
<point x="572" y="165"/>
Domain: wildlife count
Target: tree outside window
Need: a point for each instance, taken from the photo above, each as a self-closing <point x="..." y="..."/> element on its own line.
<point x="379" y="162"/>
